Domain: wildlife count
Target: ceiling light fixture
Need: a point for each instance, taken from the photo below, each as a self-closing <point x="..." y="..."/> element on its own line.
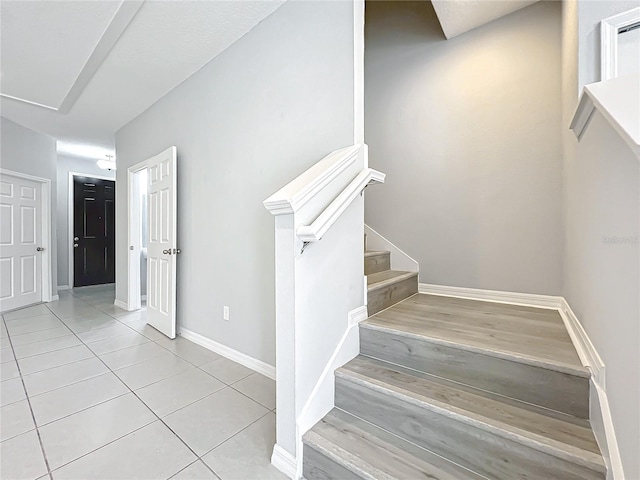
<point x="107" y="164"/>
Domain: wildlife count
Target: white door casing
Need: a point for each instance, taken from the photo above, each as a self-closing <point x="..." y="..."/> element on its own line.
<point x="21" y="238"/>
<point x="162" y="245"/>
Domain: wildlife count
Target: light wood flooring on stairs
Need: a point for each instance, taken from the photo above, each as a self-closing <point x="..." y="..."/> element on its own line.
<point x="450" y="388"/>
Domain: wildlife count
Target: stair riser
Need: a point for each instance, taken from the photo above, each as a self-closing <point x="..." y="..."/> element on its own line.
<point x="381" y="298"/>
<point x="484" y="452"/>
<point x="558" y="391"/>
<point x="377" y="263"/>
<point x="317" y="466"/>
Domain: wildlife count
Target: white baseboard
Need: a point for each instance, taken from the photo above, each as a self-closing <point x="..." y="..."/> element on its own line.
<point x="496" y="296"/>
<point x="321" y="398"/>
<point x="284" y="461"/>
<point x="63" y="287"/>
<point x="357" y="315"/>
<point x="586" y="350"/>
<point x="55" y="298"/>
<point x="121" y="304"/>
<point x="603" y="426"/>
<point x="228" y="352"/>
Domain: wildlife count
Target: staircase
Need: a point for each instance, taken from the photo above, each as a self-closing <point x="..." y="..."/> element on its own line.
<point x="448" y="388"/>
<point x="386" y="287"/>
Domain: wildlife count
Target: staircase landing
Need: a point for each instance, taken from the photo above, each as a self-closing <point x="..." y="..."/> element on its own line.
<point x="529" y="334"/>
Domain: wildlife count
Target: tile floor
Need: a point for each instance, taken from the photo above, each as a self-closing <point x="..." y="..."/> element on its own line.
<point x="90" y="391"/>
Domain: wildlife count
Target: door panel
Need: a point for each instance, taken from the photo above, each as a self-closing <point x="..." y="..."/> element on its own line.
<point x="94" y="228"/>
<point x="162" y="245"/>
<point x="20" y="237"/>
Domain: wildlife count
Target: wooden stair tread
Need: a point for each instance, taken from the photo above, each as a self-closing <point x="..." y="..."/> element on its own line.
<point x="373" y="253"/>
<point x="372" y="452"/>
<point x="567" y="437"/>
<point x="387" y="277"/>
<point x="523" y="334"/>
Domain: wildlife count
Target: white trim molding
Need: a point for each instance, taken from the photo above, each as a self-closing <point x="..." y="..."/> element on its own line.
<point x="583" y="115"/>
<point x="495" y="296"/>
<point x="603" y="428"/>
<point x="284" y="461"/>
<point x="63" y="287"/>
<point x="616" y="100"/>
<point x="609" y="30"/>
<point x="320" y="226"/>
<point x="121" y="304"/>
<point x="303" y="188"/>
<point x="581" y="341"/>
<point x="230" y="353"/>
<point x="338" y="358"/>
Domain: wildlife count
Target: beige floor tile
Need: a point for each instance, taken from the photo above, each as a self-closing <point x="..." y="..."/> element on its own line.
<point x="207" y="423"/>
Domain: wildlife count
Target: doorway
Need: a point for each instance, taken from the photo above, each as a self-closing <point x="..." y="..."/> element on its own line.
<point x="93" y="231"/>
<point x="152" y="222"/>
<point x="25" y="232"/>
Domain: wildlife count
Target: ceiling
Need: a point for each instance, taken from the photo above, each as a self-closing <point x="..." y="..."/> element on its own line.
<point x="460" y="16"/>
<point x="79" y="70"/>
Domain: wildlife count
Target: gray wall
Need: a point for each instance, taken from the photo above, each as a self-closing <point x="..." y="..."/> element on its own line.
<point x="468" y="132"/>
<point x="602" y="269"/>
<point x="65" y="165"/>
<point x="26" y="151"/>
<point x="601" y="202"/>
<point x="259" y="114"/>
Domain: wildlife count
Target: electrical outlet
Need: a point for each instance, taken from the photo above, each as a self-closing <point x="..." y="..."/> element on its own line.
<point x="225" y="312"/>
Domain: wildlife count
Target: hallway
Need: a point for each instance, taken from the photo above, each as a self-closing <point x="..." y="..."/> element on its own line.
<point x="91" y="391"/>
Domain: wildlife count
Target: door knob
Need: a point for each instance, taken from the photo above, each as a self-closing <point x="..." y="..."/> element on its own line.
<point x="176" y="251"/>
<point x="167" y="252"/>
<point x="75" y="245"/>
<point x="75" y="239"/>
<point x="40" y="249"/>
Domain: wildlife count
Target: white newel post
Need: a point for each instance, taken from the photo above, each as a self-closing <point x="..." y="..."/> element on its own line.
<point x="317" y="285"/>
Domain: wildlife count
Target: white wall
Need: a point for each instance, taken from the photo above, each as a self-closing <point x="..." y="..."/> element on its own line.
<point x="259" y="114"/>
<point x="601" y="198"/>
<point x="66" y="164"/>
<point x="26" y="151"/>
<point x="468" y="132"/>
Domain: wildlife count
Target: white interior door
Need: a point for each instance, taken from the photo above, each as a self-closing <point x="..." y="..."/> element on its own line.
<point x="20" y="242"/>
<point x="162" y="246"/>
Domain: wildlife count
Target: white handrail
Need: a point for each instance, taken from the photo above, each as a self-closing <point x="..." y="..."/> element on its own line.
<point x="320" y="226"/>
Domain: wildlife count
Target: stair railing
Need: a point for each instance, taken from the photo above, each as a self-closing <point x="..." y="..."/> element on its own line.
<point x="316" y="291"/>
<point x="314" y="232"/>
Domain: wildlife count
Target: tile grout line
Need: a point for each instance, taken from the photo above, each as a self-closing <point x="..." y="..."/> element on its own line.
<point x="110" y="370"/>
<point x="33" y="417"/>
<point x="226" y="385"/>
<point x="147" y="406"/>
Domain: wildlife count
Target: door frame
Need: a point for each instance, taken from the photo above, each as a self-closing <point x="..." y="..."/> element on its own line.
<point x="71" y="217"/>
<point x="134" y="300"/>
<point x="46" y="280"/>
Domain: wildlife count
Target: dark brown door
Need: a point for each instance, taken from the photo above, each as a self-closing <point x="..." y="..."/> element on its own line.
<point x="94" y="231"/>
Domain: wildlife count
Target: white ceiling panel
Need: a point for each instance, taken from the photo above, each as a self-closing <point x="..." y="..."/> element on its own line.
<point x="460" y="16"/>
<point x="164" y="44"/>
<point x="45" y="45"/>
